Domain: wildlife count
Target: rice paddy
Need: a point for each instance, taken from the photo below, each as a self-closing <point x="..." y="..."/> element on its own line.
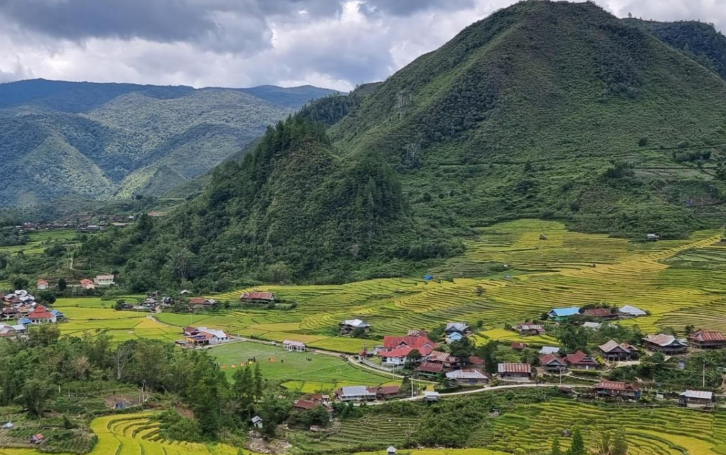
<point x="674" y="280"/>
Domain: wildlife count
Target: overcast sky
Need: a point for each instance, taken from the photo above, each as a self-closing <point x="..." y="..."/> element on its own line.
<point x="241" y="43"/>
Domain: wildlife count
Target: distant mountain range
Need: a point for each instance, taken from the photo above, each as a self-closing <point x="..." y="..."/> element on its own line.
<point x="103" y="141"/>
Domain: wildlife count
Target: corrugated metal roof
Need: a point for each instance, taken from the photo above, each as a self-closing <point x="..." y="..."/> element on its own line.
<point x="634" y="311"/>
<point x="566" y="311"/>
<point x="700" y="394"/>
<point x="356" y="391"/>
<point x="549" y="350"/>
<point x="514" y="368"/>
<point x="466" y="374"/>
<point x="705" y="335"/>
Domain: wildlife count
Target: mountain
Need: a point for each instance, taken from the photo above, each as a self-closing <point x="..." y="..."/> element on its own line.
<point x="103" y="141"/>
<point x="551" y="109"/>
<point x="292" y="209"/>
<point x="543" y="109"/>
<point x="701" y="41"/>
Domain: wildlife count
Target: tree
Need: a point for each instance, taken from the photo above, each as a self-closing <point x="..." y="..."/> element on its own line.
<point x="258" y="382"/>
<point x="62" y="285"/>
<point x="47" y="297"/>
<point x="243" y="389"/>
<point x="556" y="446"/>
<point x="578" y="444"/>
<point x="462" y="350"/>
<point x="603" y="447"/>
<point x="34" y="396"/>
<point x="620" y="444"/>
<point x="20" y="282"/>
<point x="413" y="358"/>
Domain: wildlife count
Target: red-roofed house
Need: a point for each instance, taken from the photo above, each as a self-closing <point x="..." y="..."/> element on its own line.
<point x="552" y="363"/>
<point x="88" y="284"/>
<point x="430" y="369"/>
<point x="257" y="297"/>
<point x="201" y="302"/>
<point x="303" y="405"/>
<point x="396" y="349"/>
<point x="42" y="284"/>
<point x="581" y="361"/>
<point x="667" y="344"/>
<point x="444" y="358"/>
<point x="476" y="362"/>
<point x="704" y="339"/>
<point x="518" y="346"/>
<point x="614" y="389"/>
<point x="530" y="329"/>
<point x="386" y="392"/>
<point x="41" y="315"/>
<point x="600" y="313"/>
<point x="519" y="372"/>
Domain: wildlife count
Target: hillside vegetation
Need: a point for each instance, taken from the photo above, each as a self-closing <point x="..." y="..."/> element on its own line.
<point x="551" y="109"/>
<point x="102" y="141"/>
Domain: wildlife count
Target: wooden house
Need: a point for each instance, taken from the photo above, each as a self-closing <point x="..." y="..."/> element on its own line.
<point x="705" y="339"/>
<point x="518" y="372"/>
<point x="613" y="389"/>
<point x="667" y="344"/>
<point x="613" y="351"/>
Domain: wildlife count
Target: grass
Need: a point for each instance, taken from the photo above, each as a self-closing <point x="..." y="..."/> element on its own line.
<point x="38" y="241"/>
<point x="322" y="373"/>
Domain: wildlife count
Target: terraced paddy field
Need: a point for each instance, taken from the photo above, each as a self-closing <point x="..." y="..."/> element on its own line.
<point x="323" y="373"/>
<point x="657" y="431"/>
<point x="38" y="241"/>
<point x="674" y="280"/>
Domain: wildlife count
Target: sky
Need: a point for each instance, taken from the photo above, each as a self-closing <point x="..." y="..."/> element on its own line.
<point x="242" y="43"/>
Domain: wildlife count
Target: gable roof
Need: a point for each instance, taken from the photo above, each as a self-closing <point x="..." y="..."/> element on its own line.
<point x="466" y="374"/>
<point x="614" y="385"/>
<point x="86" y="281"/>
<point x="430" y="367"/>
<point x="293" y="343"/>
<point x="390" y="342"/>
<point x="456" y="326"/>
<point x="592" y="325"/>
<point x="598" y="312"/>
<point x="702" y="395"/>
<point x="518" y="345"/>
<point x="304" y="404"/>
<point x="631" y="310"/>
<point x="707" y="335"/>
<point x="474" y="360"/>
<point x="612" y="345"/>
<point x="40" y="312"/>
<point x="256" y="295"/>
<point x="356" y="323"/>
<point x="549" y="359"/>
<point x="549" y="350"/>
<point x="527" y="327"/>
<point x="514" y="368"/>
<point x="561" y="312"/>
<point x="356" y="391"/>
<point x="663" y="340"/>
<point x="580" y="358"/>
<point x="438" y="356"/>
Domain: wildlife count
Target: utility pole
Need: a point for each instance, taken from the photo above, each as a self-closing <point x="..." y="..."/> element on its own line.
<point x="704" y="374"/>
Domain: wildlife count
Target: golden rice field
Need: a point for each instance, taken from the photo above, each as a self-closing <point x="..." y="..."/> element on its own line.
<point x="666" y="278"/>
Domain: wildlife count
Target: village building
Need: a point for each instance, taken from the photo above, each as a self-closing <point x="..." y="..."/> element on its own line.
<point x="518" y="346"/>
<point x="294" y="346"/>
<point x="457" y="327"/>
<point x="667" y="344"/>
<point x="467" y="377"/>
<point x="41" y="315"/>
<point x="652" y="237"/>
<point x="447" y="360"/>
<point x="527" y="329"/>
<point x="613" y="389"/>
<point x="592" y="325"/>
<point x="705" y="339"/>
<point x="553" y="364"/>
<point x="303" y="405"/>
<point x="355" y="393"/>
<point x="613" y="351"/>
<point x="88" y="284"/>
<point x="519" y="372"/>
<point x="9" y="313"/>
<point x="387" y="392"/>
<point x="396" y="349"/>
<point x="202" y="336"/>
<point x="549" y="350"/>
<point x="476" y="362"/>
<point x="431" y="396"/>
<point x="350" y="325"/>
<point x="256" y="297"/>
<point x="201" y="302"/>
<point x="429" y="369"/>
<point x="581" y="361"/>
<point x="601" y="313"/>
<point x="42" y="285"/>
<point x="6" y="331"/>
<point x="456" y="336"/>
<point x="629" y="311"/>
<point x="257" y="422"/>
<point x="696" y="399"/>
<point x="104" y="280"/>
<point x="563" y="314"/>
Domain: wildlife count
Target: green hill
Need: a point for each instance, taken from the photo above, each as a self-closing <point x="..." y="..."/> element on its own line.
<point x="551" y="109"/>
<point x="103" y="141"/>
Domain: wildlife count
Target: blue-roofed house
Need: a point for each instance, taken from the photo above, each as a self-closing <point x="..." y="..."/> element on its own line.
<point x="456" y="336"/>
<point x="562" y="314"/>
<point x="24" y="321"/>
<point x="57" y="314"/>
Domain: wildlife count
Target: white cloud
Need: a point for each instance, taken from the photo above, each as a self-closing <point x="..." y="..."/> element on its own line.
<point x="332" y="43"/>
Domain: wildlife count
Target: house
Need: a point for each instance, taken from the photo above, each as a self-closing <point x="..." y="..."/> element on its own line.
<point x="696" y="399"/>
<point x="553" y="363"/>
<point x="447" y="360"/>
<point x="614" y="351"/>
<point x="104" y="280"/>
<point x="430" y="369"/>
<point x="396" y="349"/>
<point x="652" y="237"/>
<point x="8" y="426"/>
<point x="201" y="302"/>
<point x="350" y="325"/>
<point x="41" y="315"/>
<point x="601" y="313"/>
<point x="396" y="357"/>
<point x="629" y="311"/>
<point x="202" y="336"/>
<point x="613" y="389"/>
<point x="6" y="331"/>
<point x="529" y="329"/>
<point x="9" y="313"/>
<point x="294" y="346"/>
<point x="667" y="344"/>
<point x="581" y="361"/>
<point x="58" y="315"/>
<point x="592" y="325"/>
<point x="355" y="393"/>
<point x="467" y="377"/>
<point x="391" y="451"/>
<point x="562" y="314"/>
<point x="303" y="405"/>
<point x="319" y="398"/>
<point x="42" y="285"/>
<point x="256" y="297"/>
<point x="457" y="327"/>
<point x="520" y="372"/>
<point x="257" y="422"/>
<point x="456" y="336"/>
<point x="386" y="392"/>
<point x="88" y="284"/>
<point x="549" y="350"/>
<point x="518" y="346"/>
<point x="431" y="396"/>
<point x="476" y="362"/>
<point x="37" y="438"/>
<point x="705" y="339"/>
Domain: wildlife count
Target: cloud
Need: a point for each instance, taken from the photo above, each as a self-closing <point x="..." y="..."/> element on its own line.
<point x="333" y="43"/>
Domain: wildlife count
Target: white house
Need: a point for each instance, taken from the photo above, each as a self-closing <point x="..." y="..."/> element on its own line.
<point x="294" y="346"/>
<point x="257" y="421"/>
<point x="43" y="285"/>
<point x="104" y="280"/>
<point x="355" y="393"/>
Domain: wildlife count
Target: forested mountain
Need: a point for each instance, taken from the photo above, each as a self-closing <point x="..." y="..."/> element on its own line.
<point x="103" y="141"/>
<point x="552" y="109"/>
<point x="544" y="109"/>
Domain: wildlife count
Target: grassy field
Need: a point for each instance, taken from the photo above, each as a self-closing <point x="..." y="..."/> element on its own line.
<point x="678" y="281"/>
<point x="38" y="241"/>
<point x="323" y="373"/>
